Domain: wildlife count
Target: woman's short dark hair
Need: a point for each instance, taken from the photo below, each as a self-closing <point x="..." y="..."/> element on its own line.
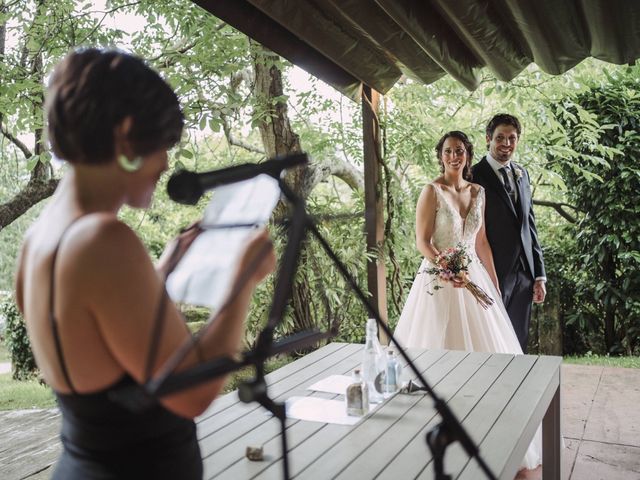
<point x="92" y="91"/>
<point x="503" y="119"/>
<point x="466" y="171"/>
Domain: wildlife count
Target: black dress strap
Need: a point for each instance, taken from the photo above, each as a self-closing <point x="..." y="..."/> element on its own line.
<point x="52" y="317"/>
<point x="155" y="335"/>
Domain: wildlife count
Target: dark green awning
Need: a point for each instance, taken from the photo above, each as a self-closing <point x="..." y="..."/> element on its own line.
<point x="346" y="42"/>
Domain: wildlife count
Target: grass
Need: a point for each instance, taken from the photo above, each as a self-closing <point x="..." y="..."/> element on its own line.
<point x="16" y="395"/>
<point x="604" y="360"/>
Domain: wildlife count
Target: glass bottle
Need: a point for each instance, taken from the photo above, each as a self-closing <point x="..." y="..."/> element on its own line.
<point x="373" y="361"/>
<point x="357" y="396"/>
<point x="393" y="371"/>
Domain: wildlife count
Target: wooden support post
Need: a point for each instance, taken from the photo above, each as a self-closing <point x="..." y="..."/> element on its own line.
<point x="373" y="199"/>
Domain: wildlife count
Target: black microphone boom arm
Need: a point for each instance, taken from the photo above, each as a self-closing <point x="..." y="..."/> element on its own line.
<point x="187" y="187"/>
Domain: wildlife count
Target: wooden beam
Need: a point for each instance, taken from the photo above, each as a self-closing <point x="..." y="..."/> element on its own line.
<point x="373" y="199"/>
<point x="246" y="18"/>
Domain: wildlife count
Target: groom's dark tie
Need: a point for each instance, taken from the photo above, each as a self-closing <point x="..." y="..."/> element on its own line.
<point x="507" y="186"/>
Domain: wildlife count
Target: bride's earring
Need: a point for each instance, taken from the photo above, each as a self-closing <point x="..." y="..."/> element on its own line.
<point x="129" y="165"/>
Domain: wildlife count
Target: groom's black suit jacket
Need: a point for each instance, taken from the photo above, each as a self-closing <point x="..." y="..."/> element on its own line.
<point x="511" y="231"/>
<point x="512" y="234"/>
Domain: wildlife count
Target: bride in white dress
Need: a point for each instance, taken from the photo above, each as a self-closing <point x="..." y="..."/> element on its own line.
<point x="450" y="211"/>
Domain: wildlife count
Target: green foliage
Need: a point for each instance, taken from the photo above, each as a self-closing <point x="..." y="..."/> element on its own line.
<point x="324" y="295"/>
<point x="600" y="169"/>
<point x="17" y="341"/>
<point x="24" y="394"/>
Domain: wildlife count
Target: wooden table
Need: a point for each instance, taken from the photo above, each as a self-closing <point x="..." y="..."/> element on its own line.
<point x="500" y="399"/>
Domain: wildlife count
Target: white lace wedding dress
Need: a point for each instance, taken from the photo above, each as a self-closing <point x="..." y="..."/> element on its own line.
<point x="451" y="318"/>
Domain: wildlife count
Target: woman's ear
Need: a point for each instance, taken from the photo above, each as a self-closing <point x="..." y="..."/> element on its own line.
<point x="122" y="130"/>
<point x="122" y="146"/>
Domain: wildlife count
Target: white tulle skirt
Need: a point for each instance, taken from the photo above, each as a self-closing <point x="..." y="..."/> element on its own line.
<point x="450" y="318"/>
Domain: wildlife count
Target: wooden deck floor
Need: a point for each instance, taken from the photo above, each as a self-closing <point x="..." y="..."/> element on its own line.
<point x="600" y="414"/>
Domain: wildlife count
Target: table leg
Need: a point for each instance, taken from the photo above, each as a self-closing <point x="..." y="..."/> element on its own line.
<point x="552" y="439"/>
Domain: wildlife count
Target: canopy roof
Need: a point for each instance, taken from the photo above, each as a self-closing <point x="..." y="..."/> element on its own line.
<point x="349" y="42"/>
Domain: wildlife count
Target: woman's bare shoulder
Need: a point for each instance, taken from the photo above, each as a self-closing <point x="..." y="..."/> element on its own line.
<point x="102" y="240"/>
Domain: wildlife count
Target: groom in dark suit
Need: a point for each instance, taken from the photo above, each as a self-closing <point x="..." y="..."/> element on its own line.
<point x="510" y="224"/>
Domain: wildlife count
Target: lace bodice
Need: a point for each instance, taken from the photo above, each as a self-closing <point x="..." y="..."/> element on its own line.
<point x="450" y="227"/>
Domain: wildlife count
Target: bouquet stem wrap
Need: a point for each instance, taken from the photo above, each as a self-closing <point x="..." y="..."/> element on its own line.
<point x="478" y="293"/>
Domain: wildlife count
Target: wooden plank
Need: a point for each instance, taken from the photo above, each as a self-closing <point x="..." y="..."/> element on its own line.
<point x="322" y="455"/>
<point x="505" y="444"/>
<point x="487" y="392"/>
<point x="30" y="442"/>
<point x="488" y="401"/>
<point x="229" y="462"/>
<point x="255" y="24"/>
<point x="289" y="373"/>
<point x="225" y="401"/>
<point x="246" y="428"/>
<point x="552" y="438"/>
<point x="388" y="445"/>
<point x="328" y="432"/>
<point x="233" y="422"/>
<point x="461" y="397"/>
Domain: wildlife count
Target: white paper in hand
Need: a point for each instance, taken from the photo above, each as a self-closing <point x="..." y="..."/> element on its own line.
<point x="203" y="275"/>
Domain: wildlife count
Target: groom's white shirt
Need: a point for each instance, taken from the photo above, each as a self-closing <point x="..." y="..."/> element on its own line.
<point x="496" y="166"/>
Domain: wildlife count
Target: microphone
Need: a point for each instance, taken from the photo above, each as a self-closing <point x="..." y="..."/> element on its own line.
<point x="187" y="187"/>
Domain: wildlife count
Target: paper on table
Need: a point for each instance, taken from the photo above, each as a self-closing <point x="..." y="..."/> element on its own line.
<point x="203" y="275"/>
<point x="333" y="384"/>
<point x="316" y="409"/>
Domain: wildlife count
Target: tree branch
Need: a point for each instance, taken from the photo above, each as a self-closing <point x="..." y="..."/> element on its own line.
<point x="34" y="192"/>
<point x="558" y="207"/>
<point x="232" y="140"/>
<point x="23" y="148"/>
<point x="167" y="58"/>
<point x="319" y="171"/>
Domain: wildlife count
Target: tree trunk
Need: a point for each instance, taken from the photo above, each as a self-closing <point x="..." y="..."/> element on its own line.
<point x="279" y="139"/>
<point x="275" y="129"/>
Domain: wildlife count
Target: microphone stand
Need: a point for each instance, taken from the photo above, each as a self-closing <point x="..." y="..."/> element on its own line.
<point x="438" y="439"/>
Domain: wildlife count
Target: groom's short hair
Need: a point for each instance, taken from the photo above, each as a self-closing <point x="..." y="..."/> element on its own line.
<point x="503" y="119"/>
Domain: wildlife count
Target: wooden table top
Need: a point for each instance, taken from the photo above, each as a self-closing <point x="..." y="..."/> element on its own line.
<point x="501" y="400"/>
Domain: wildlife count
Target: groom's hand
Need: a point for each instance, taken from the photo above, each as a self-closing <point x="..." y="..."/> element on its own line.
<point x="539" y="291"/>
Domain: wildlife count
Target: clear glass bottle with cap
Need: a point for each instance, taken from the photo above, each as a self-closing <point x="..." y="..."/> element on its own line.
<point x="393" y="372"/>
<point x="373" y="361"/>
<point x="357" y="396"/>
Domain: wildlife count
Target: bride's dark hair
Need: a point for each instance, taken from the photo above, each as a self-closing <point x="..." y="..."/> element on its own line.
<point x="466" y="171"/>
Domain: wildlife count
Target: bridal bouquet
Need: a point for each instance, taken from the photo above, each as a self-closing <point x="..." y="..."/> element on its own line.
<point x="453" y="263"/>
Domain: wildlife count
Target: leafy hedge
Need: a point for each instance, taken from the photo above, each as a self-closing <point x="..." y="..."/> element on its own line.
<point x="22" y="360"/>
<point x="601" y="170"/>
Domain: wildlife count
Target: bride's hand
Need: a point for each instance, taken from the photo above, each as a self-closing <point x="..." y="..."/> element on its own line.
<point x="459" y="281"/>
<point x="176" y="249"/>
